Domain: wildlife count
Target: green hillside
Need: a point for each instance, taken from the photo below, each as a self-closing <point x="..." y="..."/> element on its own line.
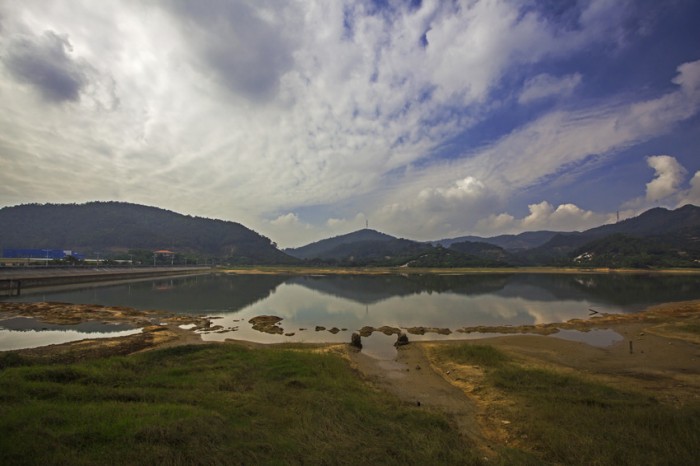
<point x="114" y="228"/>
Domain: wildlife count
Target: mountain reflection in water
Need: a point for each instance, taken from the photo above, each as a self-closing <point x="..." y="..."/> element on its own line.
<point x="352" y="301"/>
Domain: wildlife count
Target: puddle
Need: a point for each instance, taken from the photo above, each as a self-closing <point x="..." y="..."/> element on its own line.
<point x="23" y="332"/>
<point x="379" y="346"/>
<point x="600" y="338"/>
<point x="28" y="323"/>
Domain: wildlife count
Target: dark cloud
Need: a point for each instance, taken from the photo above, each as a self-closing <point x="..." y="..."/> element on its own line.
<point x="44" y="63"/>
<point x="248" y="54"/>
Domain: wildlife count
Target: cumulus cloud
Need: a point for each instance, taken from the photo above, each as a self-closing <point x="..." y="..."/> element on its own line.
<point x="543" y="216"/>
<point x="546" y="85"/>
<point x="346" y="225"/>
<point x="565" y="217"/>
<point x="467" y="189"/>
<point x="502" y="223"/>
<point x="692" y="194"/>
<point x="669" y="175"/>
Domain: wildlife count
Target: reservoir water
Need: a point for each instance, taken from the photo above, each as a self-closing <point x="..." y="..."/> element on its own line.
<point x="350" y="302"/>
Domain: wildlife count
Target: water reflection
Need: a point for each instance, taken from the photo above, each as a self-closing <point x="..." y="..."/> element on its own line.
<point x="351" y="302"/>
<point x="24" y="332"/>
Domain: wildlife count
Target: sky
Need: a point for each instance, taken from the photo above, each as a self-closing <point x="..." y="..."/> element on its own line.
<point x="309" y="119"/>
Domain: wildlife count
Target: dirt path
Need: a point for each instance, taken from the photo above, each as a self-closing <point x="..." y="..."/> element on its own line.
<point x="413" y="380"/>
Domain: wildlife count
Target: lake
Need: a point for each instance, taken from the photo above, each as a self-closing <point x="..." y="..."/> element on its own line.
<point x="352" y="301"/>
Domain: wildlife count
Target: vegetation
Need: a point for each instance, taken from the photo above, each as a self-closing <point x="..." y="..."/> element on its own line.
<point x="113" y="228"/>
<point x="625" y="251"/>
<point x="213" y="404"/>
<point x="658" y="238"/>
<point x="567" y="419"/>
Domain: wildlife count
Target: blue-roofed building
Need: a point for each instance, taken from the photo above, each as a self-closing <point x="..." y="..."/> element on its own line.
<point x="44" y="254"/>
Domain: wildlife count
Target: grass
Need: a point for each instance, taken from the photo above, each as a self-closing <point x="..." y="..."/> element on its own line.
<point x="566" y="419"/>
<point x="213" y="404"/>
<point x="690" y="328"/>
<point x="475" y="355"/>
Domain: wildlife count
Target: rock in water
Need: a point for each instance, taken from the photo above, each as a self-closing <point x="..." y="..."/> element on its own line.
<point x="401" y="340"/>
<point x="356" y="340"/>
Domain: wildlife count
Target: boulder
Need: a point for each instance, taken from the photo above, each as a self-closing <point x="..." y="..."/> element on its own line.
<point x="356" y="340"/>
<point x="401" y="340"/>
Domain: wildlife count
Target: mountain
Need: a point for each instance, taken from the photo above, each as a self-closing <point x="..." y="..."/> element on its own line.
<point x="621" y="250"/>
<point x="526" y="240"/>
<point x="118" y="227"/>
<point x="481" y="250"/>
<point x="373" y="248"/>
<point x="672" y="235"/>
<point x="336" y="247"/>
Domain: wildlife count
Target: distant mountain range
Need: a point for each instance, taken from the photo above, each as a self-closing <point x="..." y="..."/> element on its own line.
<point x="522" y="241"/>
<point x="656" y="238"/>
<point x="114" y="228"/>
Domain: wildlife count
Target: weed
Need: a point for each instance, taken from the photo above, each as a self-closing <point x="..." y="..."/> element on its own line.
<point x="476" y="355"/>
<point x="213" y="404"/>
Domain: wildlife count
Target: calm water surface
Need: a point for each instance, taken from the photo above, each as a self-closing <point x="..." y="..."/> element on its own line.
<point x="351" y="302"/>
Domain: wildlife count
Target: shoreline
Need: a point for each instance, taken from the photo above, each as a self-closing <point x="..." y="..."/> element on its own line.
<point x="302" y="270"/>
<point x="659" y="355"/>
<point x="663" y="320"/>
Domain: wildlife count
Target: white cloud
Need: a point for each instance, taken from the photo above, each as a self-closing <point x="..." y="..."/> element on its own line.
<point x="544" y="216"/>
<point x="286" y="220"/>
<point x="467" y="189"/>
<point x="669" y="176"/>
<point x="555" y="143"/>
<point x="242" y="110"/>
<point x="692" y="194"/>
<point x="546" y="85"/>
<point x="566" y="217"/>
<point x="502" y="223"/>
<point x="344" y="225"/>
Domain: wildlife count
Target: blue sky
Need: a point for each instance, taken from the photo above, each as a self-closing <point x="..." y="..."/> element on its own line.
<point x="304" y="119"/>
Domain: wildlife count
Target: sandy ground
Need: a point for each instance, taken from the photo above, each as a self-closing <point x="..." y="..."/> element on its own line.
<point x="659" y="354"/>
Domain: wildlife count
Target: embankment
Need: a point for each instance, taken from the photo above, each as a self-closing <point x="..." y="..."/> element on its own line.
<point x="14" y="280"/>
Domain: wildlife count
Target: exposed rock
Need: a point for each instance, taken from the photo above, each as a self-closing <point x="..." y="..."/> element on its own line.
<point x="290" y="334"/>
<point x="267" y="324"/>
<point x="401" y="340"/>
<point x="386" y="330"/>
<point x="334" y="330"/>
<point x="356" y="340"/>
<point x="366" y="331"/>
<point x="265" y="320"/>
<point x="320" y="328"/>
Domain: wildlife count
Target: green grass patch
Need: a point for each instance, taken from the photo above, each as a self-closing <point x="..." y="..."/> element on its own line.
<point x="476" y="355"/>
<point x="213" y="404"/>
<point x="566" y="419"/>
<point x="690" y="328"/>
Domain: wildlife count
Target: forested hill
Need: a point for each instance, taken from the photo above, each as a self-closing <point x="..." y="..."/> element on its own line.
<point x="119" y="227"/>
<point x="342" y="245"/>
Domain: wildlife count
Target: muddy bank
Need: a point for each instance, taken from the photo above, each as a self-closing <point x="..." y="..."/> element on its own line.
<point x="158" y="329"/>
